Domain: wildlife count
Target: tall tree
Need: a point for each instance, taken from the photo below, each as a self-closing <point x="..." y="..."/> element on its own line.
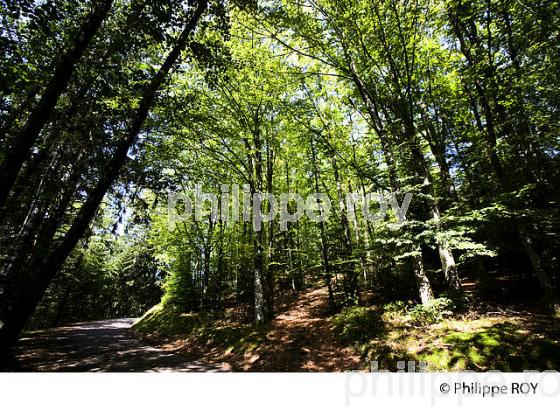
<point x="24" y="297"/>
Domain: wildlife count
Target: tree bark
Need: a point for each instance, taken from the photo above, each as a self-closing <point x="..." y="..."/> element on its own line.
<point x="324" y="244"/>
<point x="270" y="231"/>
<point x="351" y="282"/>
<point x="424" y="287"/>
<point x="259" y="276"/>
<point x="372" y="108"/>
<point x="550" y="298"/>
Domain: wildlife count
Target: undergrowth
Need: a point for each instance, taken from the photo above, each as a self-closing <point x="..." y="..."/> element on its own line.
<point x="207" y="329"/>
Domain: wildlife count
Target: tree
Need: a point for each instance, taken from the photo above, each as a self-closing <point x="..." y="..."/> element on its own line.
<point x="24" y="298"/>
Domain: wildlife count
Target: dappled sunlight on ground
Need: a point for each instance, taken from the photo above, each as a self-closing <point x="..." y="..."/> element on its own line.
<point x="506" y="342"/>
<point x="300" y="338"/>
<point x="303" y="337"/>
<point x="98" y="347"/>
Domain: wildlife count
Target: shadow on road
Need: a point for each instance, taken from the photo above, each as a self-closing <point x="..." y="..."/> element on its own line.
<point x="103" y="346"/>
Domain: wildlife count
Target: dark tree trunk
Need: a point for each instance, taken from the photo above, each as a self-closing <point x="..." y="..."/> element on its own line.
<point x="324" y="244"/>
<point x="373" y="110"/>
<point x="259" y="276"/>
<point x="269" y="269"/>
<point x="351" y="282"/>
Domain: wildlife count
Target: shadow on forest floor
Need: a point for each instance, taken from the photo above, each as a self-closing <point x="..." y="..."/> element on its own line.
<point x="300" y="338"/>
<point x="505" y="342"/>
<point x="304" y="338"/>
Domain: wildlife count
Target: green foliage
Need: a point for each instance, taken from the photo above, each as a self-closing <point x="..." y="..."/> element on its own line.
<point x="396" y="309"/>
<point x="503" y="343"/>
<point x="166" y="323"/>
<point x="208" y="329"/>
<point x="357" y="324"/>
<point x="110" y="278"/>
<point x="455" y="102"/>
<point x="432" y="312"/>
<point x="500" y="347"/>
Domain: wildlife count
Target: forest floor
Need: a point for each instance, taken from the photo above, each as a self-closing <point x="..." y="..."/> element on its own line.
<point x="303" y="337"/>
<point x="300" y="338"/>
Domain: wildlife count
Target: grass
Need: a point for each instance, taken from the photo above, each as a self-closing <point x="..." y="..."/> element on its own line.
<point x="357" y="323"/>
<point x="202" y="331"/>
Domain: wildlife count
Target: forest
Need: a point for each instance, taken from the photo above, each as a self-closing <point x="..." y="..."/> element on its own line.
<point x="428" y="129"/>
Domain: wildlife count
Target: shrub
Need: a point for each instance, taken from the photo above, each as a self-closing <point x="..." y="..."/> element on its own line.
<point x="357" y="324"/>
<point x="432" y="312"/>
<point x="396" y="309"/>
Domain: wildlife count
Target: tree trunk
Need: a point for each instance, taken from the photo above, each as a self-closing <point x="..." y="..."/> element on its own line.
<point x="358" y="237"/>
<point x="504" y="183"/>
<point x="448" y="265"/>
<point x="424" y="287"/>
<point x="351" y="282"/>
<point x="369" y="100"/>
<point x="550" y="297"/>
<point x="207" y="251"/>
<point x="269" y="271"/>
<point x="324" y="244"/>
<point x="259" y="277"/>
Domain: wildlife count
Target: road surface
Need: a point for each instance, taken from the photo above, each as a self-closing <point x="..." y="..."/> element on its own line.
<point x="102" y="346"/>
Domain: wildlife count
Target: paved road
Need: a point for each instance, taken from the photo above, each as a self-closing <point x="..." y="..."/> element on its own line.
<point x="107" y="345"/>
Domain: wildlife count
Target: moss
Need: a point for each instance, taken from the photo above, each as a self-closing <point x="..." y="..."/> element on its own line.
<point x="497" y="343"/>
<point x="498" y="347"/>
<point x="486" y="343"/>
